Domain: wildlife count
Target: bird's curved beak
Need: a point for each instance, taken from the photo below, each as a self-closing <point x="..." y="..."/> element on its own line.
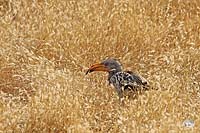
<point x="97" y="67"/>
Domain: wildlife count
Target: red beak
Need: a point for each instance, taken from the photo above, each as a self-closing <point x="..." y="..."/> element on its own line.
<point x="97" y="67"/>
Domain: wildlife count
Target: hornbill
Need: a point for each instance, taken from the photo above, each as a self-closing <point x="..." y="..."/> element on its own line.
<point x="121" y="80"/>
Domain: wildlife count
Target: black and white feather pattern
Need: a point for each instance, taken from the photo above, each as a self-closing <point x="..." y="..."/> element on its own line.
<point x="126" y="80"/>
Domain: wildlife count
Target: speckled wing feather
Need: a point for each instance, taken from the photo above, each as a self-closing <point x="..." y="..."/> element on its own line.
<point x="125" y="80"/>
<point x="139" y="79"/>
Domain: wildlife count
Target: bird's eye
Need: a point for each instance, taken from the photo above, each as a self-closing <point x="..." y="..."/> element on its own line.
<point x="106" y="64"/>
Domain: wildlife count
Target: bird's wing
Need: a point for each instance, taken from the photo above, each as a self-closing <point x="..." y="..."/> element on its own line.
<point x="138" y="78"/>
<point x="126" y="79"/>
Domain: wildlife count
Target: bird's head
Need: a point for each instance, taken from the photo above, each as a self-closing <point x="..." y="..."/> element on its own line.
<point x="108" y="65"/>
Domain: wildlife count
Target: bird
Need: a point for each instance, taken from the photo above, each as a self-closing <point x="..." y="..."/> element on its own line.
<point x="122" y="81"/>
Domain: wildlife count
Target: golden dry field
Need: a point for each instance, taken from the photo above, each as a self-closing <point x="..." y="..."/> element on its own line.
<point x="46" y="47"/>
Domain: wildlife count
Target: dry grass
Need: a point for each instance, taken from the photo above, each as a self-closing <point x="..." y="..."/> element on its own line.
<point x="46" y="46"/>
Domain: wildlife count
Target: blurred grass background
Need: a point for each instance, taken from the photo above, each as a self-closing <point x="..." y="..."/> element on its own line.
<point x="46" y="47"/>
